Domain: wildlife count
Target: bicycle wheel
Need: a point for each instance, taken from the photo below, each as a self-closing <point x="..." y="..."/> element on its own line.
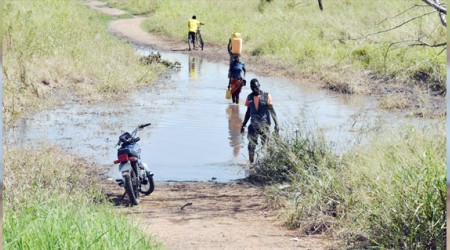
<point x="200" y="40"/>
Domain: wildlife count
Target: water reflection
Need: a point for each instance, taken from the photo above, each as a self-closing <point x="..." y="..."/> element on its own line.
<point x="194" y="66"/>
<point x="234" y="128"/>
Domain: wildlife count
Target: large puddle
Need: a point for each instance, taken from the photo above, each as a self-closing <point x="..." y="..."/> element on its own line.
<point x="194" y="134"/>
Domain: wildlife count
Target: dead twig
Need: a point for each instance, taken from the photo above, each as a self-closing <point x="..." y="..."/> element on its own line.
<point x="185" y="205"/>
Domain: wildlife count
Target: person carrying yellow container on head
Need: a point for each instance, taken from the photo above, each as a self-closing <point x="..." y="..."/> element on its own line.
<point x="237" y="74"/>
<point x="234" y="46"/>
<point x="192" y="27"/>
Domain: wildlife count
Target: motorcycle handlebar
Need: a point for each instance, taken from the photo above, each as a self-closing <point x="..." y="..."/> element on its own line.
<point x="133" y="134"/>
<point x="144" y="125"/>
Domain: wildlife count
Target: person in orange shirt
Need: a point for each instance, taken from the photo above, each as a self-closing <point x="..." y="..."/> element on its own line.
<point x="259" y="109"/>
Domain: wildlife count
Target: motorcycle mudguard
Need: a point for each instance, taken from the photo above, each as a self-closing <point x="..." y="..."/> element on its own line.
<point x="125" y="168"/>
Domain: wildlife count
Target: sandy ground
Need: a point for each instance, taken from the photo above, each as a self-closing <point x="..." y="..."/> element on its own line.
<point x="100" y="6"/>
<point x="204" y="215"/>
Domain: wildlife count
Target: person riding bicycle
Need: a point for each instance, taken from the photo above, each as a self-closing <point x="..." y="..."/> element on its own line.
<point x="192" y="27"/>
<point x="259" y="109"/>
<point x="236" y="75"/>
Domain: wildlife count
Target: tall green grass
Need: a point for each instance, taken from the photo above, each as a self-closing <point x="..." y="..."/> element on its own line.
<point x="53" y="201"/>
<point x="388" y="193"/>
<point x="337" y="45"/>
<point x="294" y="156"/>
<point x="402" y="176"/>
<point x="62" y="47"/>
<point x="54" y="49"/>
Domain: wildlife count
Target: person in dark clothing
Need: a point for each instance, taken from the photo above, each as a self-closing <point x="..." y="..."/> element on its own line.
<point x="237" y="78"/>
<point x="259" y="109"/>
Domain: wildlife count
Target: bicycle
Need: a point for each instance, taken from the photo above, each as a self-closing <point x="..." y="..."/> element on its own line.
<point x="198" y="38"/>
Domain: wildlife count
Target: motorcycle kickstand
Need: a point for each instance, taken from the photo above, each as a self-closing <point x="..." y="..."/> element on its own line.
<point x="123" y="196"/>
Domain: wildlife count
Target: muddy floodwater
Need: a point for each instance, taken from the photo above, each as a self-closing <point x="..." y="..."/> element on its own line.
<point x="194" y="134"/>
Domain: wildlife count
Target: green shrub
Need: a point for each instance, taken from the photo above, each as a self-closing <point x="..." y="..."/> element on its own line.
<point x="293" y="158"/>
<point x="387" y="193"/>
<point x="53" y="201"/>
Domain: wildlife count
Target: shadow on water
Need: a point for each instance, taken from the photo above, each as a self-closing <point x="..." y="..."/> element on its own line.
<point x="195" y="132"/>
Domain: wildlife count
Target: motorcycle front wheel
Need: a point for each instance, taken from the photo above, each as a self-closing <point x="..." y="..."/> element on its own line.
<point x="131" y="188"/>
<point x="149" y="187"/>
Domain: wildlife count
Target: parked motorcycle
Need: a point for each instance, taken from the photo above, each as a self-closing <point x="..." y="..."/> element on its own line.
<point x="136" y="176"/>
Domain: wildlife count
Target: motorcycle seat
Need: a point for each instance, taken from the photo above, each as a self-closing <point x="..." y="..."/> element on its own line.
<point x="128" y="151"/>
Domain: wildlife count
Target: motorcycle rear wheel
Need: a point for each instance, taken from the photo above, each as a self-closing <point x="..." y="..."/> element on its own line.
<point x="149" y="187"/>
<point x="131" y="188"/>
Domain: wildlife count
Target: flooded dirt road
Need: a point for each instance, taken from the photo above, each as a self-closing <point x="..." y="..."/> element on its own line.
<point x="195" y="136"/>
<point x="195" y="131"/>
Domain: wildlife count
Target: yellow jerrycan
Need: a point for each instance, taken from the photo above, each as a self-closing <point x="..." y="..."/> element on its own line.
<point x="236" y="43"/>
<point x="228" y="94"/>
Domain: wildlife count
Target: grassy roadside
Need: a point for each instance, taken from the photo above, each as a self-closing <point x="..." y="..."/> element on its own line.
<point x="56" y="49"/>
<point x="52" y="201"/>
<point x="62" y="47"/>
<point x="389" y="193"/>
<point x="335" y="46"/>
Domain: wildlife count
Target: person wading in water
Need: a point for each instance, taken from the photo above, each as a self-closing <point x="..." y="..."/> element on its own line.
<point x="237" y="78"/>
<point x="259" y="109"/>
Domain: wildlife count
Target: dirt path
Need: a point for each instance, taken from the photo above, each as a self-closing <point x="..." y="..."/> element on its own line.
<point x="101" y="6"/>
<point x="204" y="215"/>
<point x="378" y="87"/>
<point x="130" y="30"/>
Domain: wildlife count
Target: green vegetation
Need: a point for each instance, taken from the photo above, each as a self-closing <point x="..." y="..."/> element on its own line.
<point x="53" y="201"/>
<point x="389" y="193"/>
<point x="339" y="45"/>
<point x="54" y="49"/>
<point x="63" y="47"/>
